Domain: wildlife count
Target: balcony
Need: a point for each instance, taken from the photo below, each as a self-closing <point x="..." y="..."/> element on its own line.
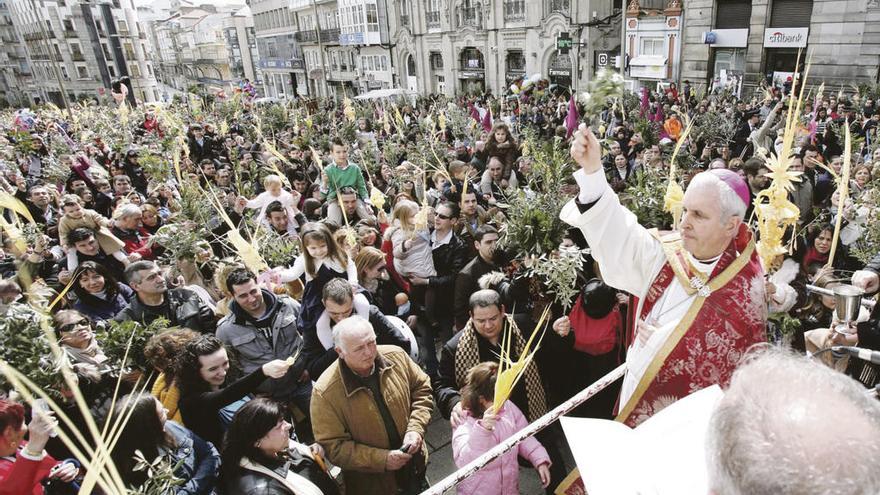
<point x="70" y="33"/>
<point x="561" y="6"/>
<point x="514" y="10"/>
<point x="330" y="35"/>
<point x="432" y="19"/>
<point x="307" y="36"/>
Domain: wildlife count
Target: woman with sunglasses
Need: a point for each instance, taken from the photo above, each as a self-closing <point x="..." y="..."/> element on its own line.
<point x="99" y="295"/>
<point x="80" y="345"/>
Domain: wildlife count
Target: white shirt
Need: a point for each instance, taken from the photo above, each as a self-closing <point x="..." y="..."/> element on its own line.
<point x="435" y="243"/>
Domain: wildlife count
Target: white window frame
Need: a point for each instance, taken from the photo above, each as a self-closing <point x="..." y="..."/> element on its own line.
<point x="652" y="45"/>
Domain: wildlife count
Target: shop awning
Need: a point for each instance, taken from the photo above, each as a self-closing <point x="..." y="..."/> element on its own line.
<point x="648" y="60"/>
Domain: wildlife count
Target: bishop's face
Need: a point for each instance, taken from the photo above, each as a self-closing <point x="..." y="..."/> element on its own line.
<point x="704" y="233"/>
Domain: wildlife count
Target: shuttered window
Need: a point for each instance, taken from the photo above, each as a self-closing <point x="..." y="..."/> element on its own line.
<point x="733" y="14"/>
<point x="791" y="13"/>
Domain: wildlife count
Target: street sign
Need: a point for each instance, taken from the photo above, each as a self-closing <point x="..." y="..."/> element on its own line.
<point x="563" y="42"/>
<point x="604" y="59"/>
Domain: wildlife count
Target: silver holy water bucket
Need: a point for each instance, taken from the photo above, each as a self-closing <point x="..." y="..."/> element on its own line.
<point x="848" y="300"/>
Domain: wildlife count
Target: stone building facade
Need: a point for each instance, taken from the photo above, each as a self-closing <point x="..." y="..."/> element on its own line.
<point x="76" y="49"/>
<point x="760" y="39"/>
<point x="455" y="46"/>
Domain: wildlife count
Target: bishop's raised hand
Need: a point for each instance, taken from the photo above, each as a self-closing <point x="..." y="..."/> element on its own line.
<point x="585" y="150"/>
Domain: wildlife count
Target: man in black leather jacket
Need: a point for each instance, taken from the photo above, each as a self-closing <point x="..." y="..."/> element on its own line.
<point x="181" y="307"/>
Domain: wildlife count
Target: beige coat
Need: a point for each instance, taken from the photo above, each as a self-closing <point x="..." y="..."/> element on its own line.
<point x="91" y="219"/>
<point x="348" y="425"/>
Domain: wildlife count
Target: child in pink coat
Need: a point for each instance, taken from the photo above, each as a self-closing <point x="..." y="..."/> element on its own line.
<point x="483" y="429"/>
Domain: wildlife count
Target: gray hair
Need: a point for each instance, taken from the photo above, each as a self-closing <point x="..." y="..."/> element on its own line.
<point x="782" y="420"/>
<point x="347" y="326"/>
<point x="127" y="210"/>
<point x="484" y="299"/>
<point x="729" y="201"/>
<point x="133" y="271"/>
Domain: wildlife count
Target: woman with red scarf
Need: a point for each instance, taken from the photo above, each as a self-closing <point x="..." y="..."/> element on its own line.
<point x="592" y="332"/>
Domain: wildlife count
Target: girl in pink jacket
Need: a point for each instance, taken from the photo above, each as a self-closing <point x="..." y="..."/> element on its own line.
<point x="483" y="429"/>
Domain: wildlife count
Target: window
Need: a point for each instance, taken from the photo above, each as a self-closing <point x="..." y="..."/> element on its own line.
<point x="68" y="25"/>
<point x="470" y="59"/>
<point x="560" y="6"/>
<point x="436" y="60"/>
<point x="372" y="18"/>
<point x="122" y="26"/>
<point x="733" y="14"/>
<point x="514" y="10"/>
<point x="135" y="70"/>
<point x="432" y="13"/>
<point x="64" y="73"/>
<point x="384" y="62"/>
<point x="791" y="13"/>
<point x="651" y="46"/>
<point x="82" y="72"/>
<point x="404" y="12"/>
<point x="516" y="61"/>
<point x="112" y="70"/>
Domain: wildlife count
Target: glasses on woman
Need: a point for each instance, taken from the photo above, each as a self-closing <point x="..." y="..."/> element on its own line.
<point x="74" y="325"/>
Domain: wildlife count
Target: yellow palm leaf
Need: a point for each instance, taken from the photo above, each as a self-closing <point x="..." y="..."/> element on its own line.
<point x="510" y="372"/>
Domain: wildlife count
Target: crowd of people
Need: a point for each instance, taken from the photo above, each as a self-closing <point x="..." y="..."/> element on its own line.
<point x="308" y="281"/>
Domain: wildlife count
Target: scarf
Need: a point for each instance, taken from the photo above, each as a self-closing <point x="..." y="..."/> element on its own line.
<point x="467" y="355"/>
<point x="813" y="256"/>
<point x="92" y="354"/>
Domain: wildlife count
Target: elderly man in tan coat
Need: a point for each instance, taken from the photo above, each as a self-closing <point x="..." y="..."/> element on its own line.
<point x="370" y="410"/>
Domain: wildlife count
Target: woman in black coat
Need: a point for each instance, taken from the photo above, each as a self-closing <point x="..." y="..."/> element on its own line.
<point x="259" y="456"/>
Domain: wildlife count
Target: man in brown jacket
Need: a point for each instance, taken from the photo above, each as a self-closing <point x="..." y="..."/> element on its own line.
<point x="370" y="410"/>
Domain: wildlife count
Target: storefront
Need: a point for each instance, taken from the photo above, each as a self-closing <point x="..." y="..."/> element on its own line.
<point x="728" y="58"/>
<point x="781" y="47"/>
<point x="787" y="32"/>
<point x="472" y="71"/>
<point x="559" y="70"/>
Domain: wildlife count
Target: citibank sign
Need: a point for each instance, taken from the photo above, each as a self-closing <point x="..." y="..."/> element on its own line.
<point x="786" y="37"/>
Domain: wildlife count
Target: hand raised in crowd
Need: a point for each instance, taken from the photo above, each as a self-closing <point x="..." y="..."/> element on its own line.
<point x="585" y="150"/>
<point x="276" y="369"/>
<point x="40" y="429"/>
<point x="562" y="326"/>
